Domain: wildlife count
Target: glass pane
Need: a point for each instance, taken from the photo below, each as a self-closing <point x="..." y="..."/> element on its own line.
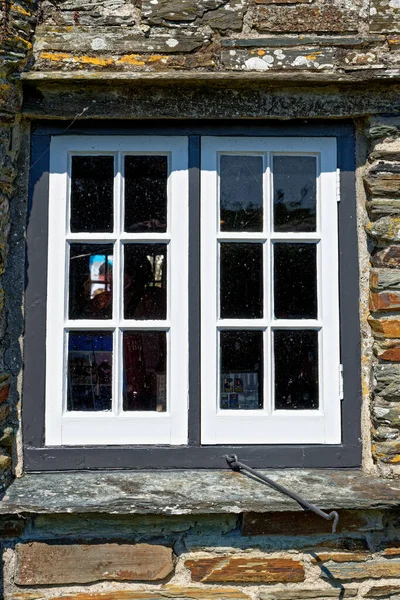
<point x="145" y="372"/>
<point x="90" y="281"/>
<point x="92" y="185"/>
<point x="241" y="384"/>
<point x="295" y="281"/>
<point x="241" y="281"/>
<point x="241" y="194"/>
<point x="145" y="281"/>
<point x="296" y="369"/>
<point x="89" y="370"/>
<point x="146" y="193"/>
<point x="295" y="193"/>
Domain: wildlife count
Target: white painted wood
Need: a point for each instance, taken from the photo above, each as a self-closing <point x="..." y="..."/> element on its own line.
<point x="115" y="426"/>
<point x="268" y="426"/>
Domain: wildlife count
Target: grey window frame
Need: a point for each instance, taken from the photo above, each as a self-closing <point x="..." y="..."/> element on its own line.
<point x="37" y="457"/>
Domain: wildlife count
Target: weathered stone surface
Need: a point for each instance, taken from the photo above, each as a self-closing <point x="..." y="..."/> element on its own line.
<point x="340" y="557"/>
<point x="389" y="415"/>
<point x="44" y="564"/>
<point x="387" y="381"/>
<point x="264" y="59"/>
<point x="177" y="10"/>
<point x="385" y="279"/>
<point x="181" y="593"/>
<point x="382" y="591"/>
<point x="393" y="551"/>
<point x="113" y="40"/>
<point x="193" y="492"/>
<point x="230" y="16"/>
<point x="375" y="569"/>
<point x="89" y="12"/>
<point x="382" y="207"/>
<point x="388" y="257"/>
<point x="387" y="150"/>
<point x="384" y="301"/>
<point x="387" y="452"/>
<point x="383" y="179"/>
<point x="386" y="229"/>
<point x="384" y="16"/>
<point x="307" y="523"/>
<point x="282" y="41"/>
<point x="385" y="434"/>
<point x="246" y="569"/>
<point x="307" y="594"/>
<point x="305" y="18"/>
<point x="355" y="58"/>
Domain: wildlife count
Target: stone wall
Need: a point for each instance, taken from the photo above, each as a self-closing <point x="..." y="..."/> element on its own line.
<point x="16" y="29"/>
<point x="270" y="556"/>
<point x="346" y="37"/>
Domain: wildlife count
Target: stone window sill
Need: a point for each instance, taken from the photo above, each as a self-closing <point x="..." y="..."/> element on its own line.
<point x="193" y="492"/>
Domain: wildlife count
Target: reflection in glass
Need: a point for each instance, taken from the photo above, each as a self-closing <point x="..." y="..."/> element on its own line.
<point x="241" y="193"/>
<point x="241" y="373"/>
<point x="90" y="281"/>
<point x="89" y="370"/>
<point x="295" y="281"/>
<point x="241" y="281"/>
<point x="92" y="184"/>
<point x="296" y="369"/>
<point x="146" y="193"/>
<point x="145" y="281"/>
<point x="145" y="373"/>
<point x="295" y="193"/>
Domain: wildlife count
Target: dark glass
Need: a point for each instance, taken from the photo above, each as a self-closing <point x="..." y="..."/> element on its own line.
<point x="241" y="379"/>
<point x="241" y="193"/>
<point x="296" y="369"/>
<point x="295" y="281"/>
<point x="295" y="193"/>
<point x="241" y="281"/>
<point x="146" y="193"/>
<point x="92" y="186"/>
<point x="89" y="370"/>
<point x="145" y="371"/>
<point x="90" y="281"/>
<point x="145" y="281"/>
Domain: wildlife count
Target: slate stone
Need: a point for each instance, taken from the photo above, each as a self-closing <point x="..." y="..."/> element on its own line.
<point x="306" y="18"/>
<point x="281" y="41"/>
<point x="177" y="10"/>
<point x="384" y="16"/>
<point x="230" y="16"/>
<point x="310" y="593"/>
<point x="385" y="279"/>
<point x="44" y="564"/>
<point x="193" y="492"/>
<point x="389" y="328"/>
<point x="245" y="569"/>
<point x="387" y="228"/>
<point x="89" y="12"/>
<point x="264" y="59"/>
<point x="376" y="569"/>
<point x="388" y="257"/>
<point x="113" y="40"/>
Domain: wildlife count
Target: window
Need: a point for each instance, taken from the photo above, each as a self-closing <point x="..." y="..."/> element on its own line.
<point x="192" y="301"/>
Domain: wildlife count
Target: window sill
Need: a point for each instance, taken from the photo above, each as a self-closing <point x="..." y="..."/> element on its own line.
<point x="193" y="492"/>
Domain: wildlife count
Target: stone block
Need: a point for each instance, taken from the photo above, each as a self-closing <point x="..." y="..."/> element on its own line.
<point x="389" y="415"/>
<point x="5" y="460"/>
<point x="327" y="18"/>
<point x="44" y="564"/>
<point x="308" y="594"/>
<point x="114" y="41"/>
<point x="177" y="10"/>
<point x="306" y="523"/>
<point x="90" y="12"/>
<point x="392" y="551"/>
<point x="384" y="301"/>
<point x="387" y="150"/>
<point x="340" y="557"/>
<point x="385" y="279"/>
<point x="387" y="452"/>
<point x="385" y="434"/>
<point x="384" y="16"/>
<point x="388" y="257"/>
<point x="375" y="569"/>
<point x="386" y="229"/>
<point x="245" y="569"/>
<point x="265" y="59"/>
<point x="178" y="592"/>
<point x="227" y="17"/>
<point x="387" y="379"/>
<point x="4" y="412"/>
<point x="383" y="179"/>
<point x="382" y="591"/>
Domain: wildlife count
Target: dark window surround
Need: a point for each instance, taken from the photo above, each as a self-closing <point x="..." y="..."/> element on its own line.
<point x="40" y="458"/>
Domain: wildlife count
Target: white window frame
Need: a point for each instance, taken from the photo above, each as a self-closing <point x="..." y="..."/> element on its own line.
<point x="116" y="427"/>
<point x="267" y="426"/>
